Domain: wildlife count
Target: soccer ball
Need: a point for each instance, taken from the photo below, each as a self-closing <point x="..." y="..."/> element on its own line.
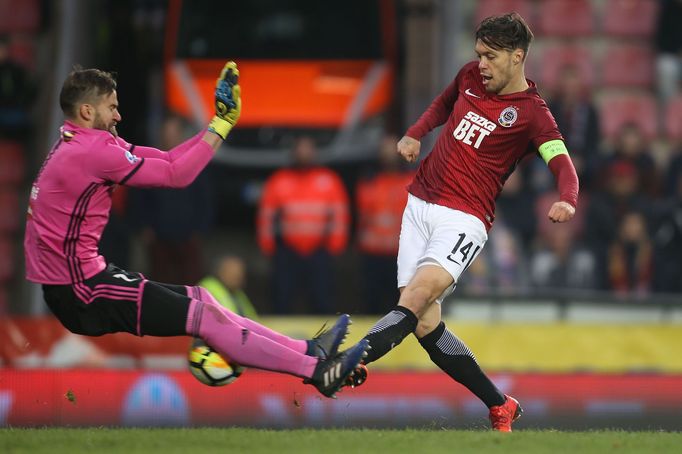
<point x="210" y="367"/>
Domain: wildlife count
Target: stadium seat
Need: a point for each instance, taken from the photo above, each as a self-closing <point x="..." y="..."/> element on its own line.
<point x="11" y="163"/>
<point x="19" y="16"/>
<point x="566" y="18"/>
<point x="673" y="119"/>
<point x="4" y="301"/>
<point x="630" y="17"/>
<point x="9" y="210"/>
<point x="615" y="111"/>
<point x="555" y="58"/>
<point x="487" y="8"/>
<point x="6" y="259"/>
<point x="628" y="65"/>
<point x="22" y="50"/>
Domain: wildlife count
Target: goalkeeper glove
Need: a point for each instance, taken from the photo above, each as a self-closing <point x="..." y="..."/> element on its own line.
<point x="228" y="101"/>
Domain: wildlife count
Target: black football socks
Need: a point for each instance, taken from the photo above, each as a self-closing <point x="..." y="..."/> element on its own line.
<point x="449" y="353"/>
<point x="390" y="331"/>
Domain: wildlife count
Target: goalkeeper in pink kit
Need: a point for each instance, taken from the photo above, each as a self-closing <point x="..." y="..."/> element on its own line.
<point x="69" y="207"/>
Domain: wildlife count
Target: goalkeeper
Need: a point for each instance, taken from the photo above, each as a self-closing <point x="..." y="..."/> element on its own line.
<point x="69" y="207"/>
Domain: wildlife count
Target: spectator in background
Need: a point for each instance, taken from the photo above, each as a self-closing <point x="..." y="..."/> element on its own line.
<point x="509" y="242"/>
<point x="15" y="95"/>
<point x="515" y="207"/>
<point x="668" y="239"/>
<point x="606" y="211"/>
<point x="380" y="201"/>
<point x="302" y="224"/>
<point x="631" y="146"/>
<point x="630" y="257"/>
<point x="174" y="220"/>
<point x="226" y="284"/>
<point x="578" y="121"/>
<point x="673" y="172"/>
<point x="669" y="49"/>
<point x="561" y="262"/>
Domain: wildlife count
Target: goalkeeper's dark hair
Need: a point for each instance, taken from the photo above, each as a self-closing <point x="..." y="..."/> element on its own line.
<point x="84" y="86"/>
<point x="505" y="32"/>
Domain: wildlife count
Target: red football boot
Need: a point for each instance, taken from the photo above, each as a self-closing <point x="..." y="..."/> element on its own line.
<point x="502" y="416"/>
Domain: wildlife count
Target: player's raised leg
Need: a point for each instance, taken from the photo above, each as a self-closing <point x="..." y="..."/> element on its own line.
<point x="429" y="282"/>
<point x="214" y="325"/>
<point x="323" y="345"/>
<point x="167" y="312"/>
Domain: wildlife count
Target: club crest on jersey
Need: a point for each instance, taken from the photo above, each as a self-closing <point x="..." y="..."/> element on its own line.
<point x="131" y="157"/>
<point x="508" y="116"/>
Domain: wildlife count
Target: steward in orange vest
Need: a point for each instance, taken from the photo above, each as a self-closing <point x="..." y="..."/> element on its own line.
<point x="380" y="201"/>
<point x="303" y="220"/>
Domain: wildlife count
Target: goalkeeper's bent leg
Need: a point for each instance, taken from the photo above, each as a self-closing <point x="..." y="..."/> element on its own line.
<point x="248" y="348"/>
<point x="300" y="346"/>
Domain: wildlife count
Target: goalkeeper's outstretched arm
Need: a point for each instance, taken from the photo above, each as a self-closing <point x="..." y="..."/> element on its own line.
<point x="179" y="169"/>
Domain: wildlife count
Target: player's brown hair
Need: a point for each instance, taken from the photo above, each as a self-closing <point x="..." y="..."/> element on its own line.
<point x="505" y="32"/>
<point x="83" y="86"/>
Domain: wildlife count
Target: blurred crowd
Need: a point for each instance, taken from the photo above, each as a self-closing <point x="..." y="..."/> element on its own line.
<point x="626" y="237"/>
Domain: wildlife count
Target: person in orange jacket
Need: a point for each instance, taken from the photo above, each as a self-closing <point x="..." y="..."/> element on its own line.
<point x="380" y="199"/>
<point x="302" y="224"/>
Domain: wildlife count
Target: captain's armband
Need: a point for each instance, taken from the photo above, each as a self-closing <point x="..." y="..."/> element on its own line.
<point x="553" y="148"/>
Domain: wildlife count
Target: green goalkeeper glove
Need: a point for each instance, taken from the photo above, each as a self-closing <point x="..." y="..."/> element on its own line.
<point x="228" y="101"/>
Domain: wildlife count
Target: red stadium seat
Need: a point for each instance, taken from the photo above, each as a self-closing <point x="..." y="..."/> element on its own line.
<point x="673" y="119"/>
<point x="19" y="16"/>
<point x="4" y="301"/>
<point x="639" y="109"/>
<point x="11" y="163"/>
<point x="6" y="259"/>
<point x="628" y="66"/>
<point x="555" y="58"/>
<point x="9" y="210"/>
<point x="486" y="8"/>
<point x="566" y="18"/>
<point x="22" y="50"/>
<point x="630" y="17"/>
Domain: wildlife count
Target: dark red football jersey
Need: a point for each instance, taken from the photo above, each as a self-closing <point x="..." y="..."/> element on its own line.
<point x="484" y="137"/>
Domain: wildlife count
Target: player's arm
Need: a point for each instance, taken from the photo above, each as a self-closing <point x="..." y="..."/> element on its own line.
<point x="228" y="107"/>
<point x="170" y="155"/>
<point x="556" y="156"/>
<point x="180" y="166"/>
<point x="435" y="115"/>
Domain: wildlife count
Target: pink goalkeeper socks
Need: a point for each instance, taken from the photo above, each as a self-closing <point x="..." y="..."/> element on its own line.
<point x="204" y="295"/>
<point x="214" y="324"/>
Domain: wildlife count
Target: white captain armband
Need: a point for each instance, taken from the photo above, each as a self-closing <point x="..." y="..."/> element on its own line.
<point x="553" y="148"/>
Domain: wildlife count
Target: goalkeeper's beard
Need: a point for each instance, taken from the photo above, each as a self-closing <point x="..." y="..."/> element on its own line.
<point x="100" y="124"/>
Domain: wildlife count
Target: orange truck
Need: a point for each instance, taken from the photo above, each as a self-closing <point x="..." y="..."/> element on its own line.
<point x="324" y="69"/>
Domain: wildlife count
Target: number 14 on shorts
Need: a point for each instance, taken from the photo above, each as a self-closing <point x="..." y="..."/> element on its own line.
<point x="462" y="254"/>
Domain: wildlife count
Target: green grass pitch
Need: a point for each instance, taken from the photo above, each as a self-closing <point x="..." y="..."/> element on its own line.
<point x="240" y="440"/>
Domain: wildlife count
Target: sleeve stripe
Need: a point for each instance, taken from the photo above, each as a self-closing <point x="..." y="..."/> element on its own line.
<point x="551" y="149"/>
<point x="132" y="172"/>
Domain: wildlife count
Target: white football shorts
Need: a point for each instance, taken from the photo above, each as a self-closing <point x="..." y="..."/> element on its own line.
<point x="432" y="234"/>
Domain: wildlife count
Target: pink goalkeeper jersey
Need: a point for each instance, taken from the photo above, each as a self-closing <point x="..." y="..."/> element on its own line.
<point x="71" y="196"/>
